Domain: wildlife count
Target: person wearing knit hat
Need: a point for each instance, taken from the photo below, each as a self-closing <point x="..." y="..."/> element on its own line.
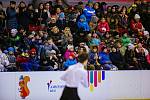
<point x="32" y="51"/>
<point x="146" y="33"/>
<point x="137" y="16"/>
<point x="14" y="32"/>
<point x="137" y="26"/>
<point x="89" y="11"/>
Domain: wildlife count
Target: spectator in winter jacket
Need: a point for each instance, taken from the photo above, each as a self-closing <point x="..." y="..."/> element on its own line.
<point x="136" y="26"/>
<point x="117" y="59"/>
<point x="82" y="23"/>
<point x="4" y="62"/>
<point x="33" y="62"/>
<point x="125" y="40"/>
<point x="70" y="50"/>
<point x="103" y="26"/>
<point x="14" y="39"/>
<point x="105" y="60"/>
<point x="89" y="11"/>
<point x="12" y="59"/>
<point x="70" y="61"/>
<point x="50" y="63"/>
<point x="48" y="45"/>
<point x="12" y="16"/>
<point x="94" y="41"/>
<point x="93" y="57"/>
<point x="130" y="57"/>
<point x="141" y="53"/>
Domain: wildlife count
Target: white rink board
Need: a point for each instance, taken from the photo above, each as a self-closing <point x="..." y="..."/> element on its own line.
<point x="117" y="85"/>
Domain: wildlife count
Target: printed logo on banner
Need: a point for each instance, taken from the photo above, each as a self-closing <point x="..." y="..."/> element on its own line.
<point x="24" y="90"/>
<point x="94" y="78"/>
<point x="52" y="87"/>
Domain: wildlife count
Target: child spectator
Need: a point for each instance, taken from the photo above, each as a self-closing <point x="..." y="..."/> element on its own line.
<point x="93" y="58"/>
<point x="105" y="60"/>
<point x="125" y="40"/>
<point x="136" y="26"/>
<point x="103" y="26"/>
<point x="48" y="45"/>
<point x="141" y="53"/>
<point x="4" y="62"/>
<point x="12" y="59"/>
<point x="130" y="57"/>
<point x="70" y="61"/>
<point x="70" y="50"/>
<point x="50" y="63"/>
<point x="33" y="62"/>
<point x="94" y="41"/>
<point x="82" y="23"/>
<point x="14" y="39"/>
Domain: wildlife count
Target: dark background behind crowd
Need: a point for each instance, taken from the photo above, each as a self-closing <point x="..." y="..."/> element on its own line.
<point x="51" y="36"/>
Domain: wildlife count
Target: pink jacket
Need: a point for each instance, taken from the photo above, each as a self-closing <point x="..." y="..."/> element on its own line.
<point x="67" y="54"/>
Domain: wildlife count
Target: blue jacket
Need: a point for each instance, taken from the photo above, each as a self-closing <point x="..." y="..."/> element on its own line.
<point x="95" y="41"/>
<point x="92" y="59"/>
<point x="31" y="65"/>
<point x="104" y="57"/>
<point x="83" y="25"/>
<point x="69" y="62"/>
<point x="88" y="12"/>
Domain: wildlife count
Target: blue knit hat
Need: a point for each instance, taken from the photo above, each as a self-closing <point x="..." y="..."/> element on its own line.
<point x="11" y="49"/>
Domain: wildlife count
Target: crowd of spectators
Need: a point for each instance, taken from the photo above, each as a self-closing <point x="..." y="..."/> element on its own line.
<point x="51" y="36"/>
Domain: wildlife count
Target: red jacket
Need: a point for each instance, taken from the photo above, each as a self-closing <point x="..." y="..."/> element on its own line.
<point x="135" y="25"/>
<point x="103" y="25"/>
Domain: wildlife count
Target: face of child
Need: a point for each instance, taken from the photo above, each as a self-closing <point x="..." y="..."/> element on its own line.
<point x="107" y="35"/>
<point x="58" y="10"/>
<point x="96" y="6"/>
<point x="103" y="20"/>
<point x="70" y="57"/>
<point x="114" y="50"/>
<point x="105" y="50"/>
<point x="137" y="19"/>
<point x="71" y="49"/>
<point x="94" y="49"/>
<point x="50" y="41"/>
